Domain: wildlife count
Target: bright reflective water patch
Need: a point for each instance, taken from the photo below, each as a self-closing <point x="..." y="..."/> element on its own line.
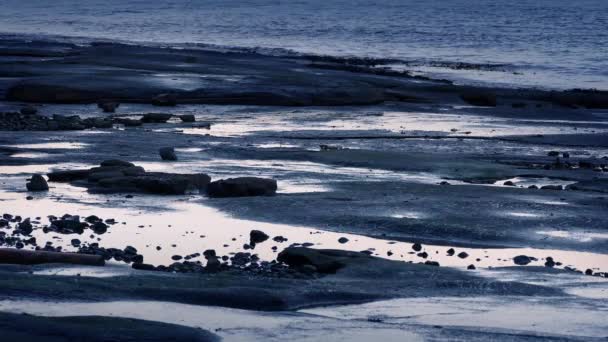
<point x="52" y="145"/>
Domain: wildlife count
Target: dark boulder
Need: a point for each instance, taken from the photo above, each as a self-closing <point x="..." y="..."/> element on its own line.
<point x="156" y="117"/>
<point x="479" y="98"/>
<point x="523" y="260"/>
<point x="68" y="175"/>
<point x="167" y="153"/>
<point x="187" y="118"/>
<point x="241" y="187"/>
<point x="116" y="162"/>
<point x="37" y="183"/>
<point x="325" y="261"/>
<point x="257" y="236"/>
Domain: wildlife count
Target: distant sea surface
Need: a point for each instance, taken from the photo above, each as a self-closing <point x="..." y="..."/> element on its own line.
<point x="556" y="44"/>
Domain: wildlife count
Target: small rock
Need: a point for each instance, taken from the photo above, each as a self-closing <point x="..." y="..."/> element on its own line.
<point x="463" y="255"/>
<point x="417" y="247"/>
<point x="471" y="267"/>
<point x="523" y="260"/>
<point x="342" y="240"/>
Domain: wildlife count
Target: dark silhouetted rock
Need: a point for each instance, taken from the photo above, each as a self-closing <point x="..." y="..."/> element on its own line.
<point x="167" y="153"/>
<point x="116" y="162"/>
<point x="241" y="187"/>
<point x="187" y="118"/>
<point x="325" y="261"/>
<point x="37" y="183"/>
<point x="342" y="240"/>
<point x="417" y="247"/>
<point x="156" y="118"/>
<point x="523" y="260"/>
<point x="257" y="236"/>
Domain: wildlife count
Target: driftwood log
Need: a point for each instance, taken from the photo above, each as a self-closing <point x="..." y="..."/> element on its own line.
<point x="26" y="257"/>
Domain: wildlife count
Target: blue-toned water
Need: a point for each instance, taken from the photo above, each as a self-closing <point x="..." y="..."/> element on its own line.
<point x="544" y="43"/>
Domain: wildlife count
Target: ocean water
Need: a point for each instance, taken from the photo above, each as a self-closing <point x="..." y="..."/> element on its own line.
<point x="556" y="44"/>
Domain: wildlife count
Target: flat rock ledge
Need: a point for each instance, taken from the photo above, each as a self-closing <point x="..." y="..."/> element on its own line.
<point x="117" y="176"/>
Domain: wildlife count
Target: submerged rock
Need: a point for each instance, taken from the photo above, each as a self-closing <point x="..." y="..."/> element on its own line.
<point x="242" y="187"/>
<point x="37" y="183"/>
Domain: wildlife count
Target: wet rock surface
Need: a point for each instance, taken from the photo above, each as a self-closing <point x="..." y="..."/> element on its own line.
<point x="114" y="176"/>
<point x="242" y="187"/>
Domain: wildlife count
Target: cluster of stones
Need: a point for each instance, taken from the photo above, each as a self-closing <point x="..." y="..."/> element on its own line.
<point x="29" y="120"/>
<point x="115" y="176"/>
<point x="118" y="176"/>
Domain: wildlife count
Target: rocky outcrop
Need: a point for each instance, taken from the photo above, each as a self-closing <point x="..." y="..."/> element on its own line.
<point x="242" y="187"/>
<point x="116" y="176"/>
<point x="322" y="261"/>
<point x="27" y="257"/>
<point x="12" y="121"/>
<point x="156" y="117"/>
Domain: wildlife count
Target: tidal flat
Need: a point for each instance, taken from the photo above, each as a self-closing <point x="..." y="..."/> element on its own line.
<point x="405" y="207"/>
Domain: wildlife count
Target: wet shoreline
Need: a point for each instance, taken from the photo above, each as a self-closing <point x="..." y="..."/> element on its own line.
<point x="399" y="186"/>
